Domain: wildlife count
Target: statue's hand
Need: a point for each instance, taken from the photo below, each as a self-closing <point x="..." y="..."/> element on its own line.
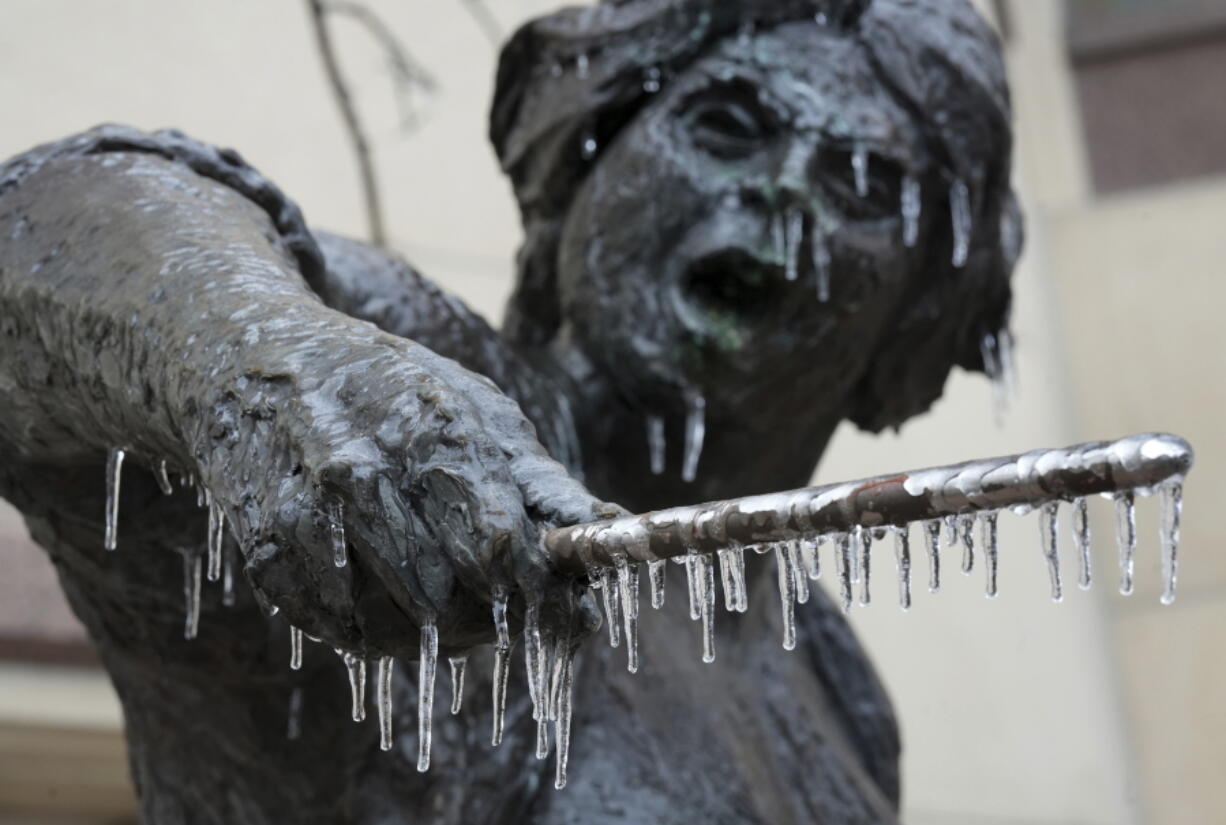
<point x="441" y="487"/>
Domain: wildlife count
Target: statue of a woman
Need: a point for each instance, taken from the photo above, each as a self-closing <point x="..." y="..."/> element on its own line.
<point x="746" y="221"/>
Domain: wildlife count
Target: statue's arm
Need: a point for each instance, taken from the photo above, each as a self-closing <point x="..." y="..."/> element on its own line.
<point x="148" y="306"/>
<point x="373" y="284"/>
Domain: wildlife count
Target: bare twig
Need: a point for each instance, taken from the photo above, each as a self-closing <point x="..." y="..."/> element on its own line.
<point x="485" y="19"/>
<point x="407" y="75"/>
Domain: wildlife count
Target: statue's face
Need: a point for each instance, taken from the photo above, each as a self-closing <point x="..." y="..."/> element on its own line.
<point x="694" y="254"/>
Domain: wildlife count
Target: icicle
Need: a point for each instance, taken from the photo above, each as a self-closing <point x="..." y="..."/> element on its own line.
<point x="458" y="665"/>
<point x="655" y="443"/>
<point x="988" y="539"/>
<point x="1081" y="538"/>
<point x="651" y="80"/>
<point x="356" y="667"/>
<point x="960" y="214"/>
<point x="691" y="580"/>
<point x="731" y="598"/>
<point x="562" y="728"/>
<point x="655" y="572"/>
<point x="383" y="700"/>
<point x="695" y="431"/>
<point x="426" y="669"/>
<point x="611" y="599"/>
<point x="293" y="723"/>
<point x="163" y="478"/>
<point x="501" y="631"/>
<point x="295" y="648"/>
<point x="951" y="532"/>
<point x="588" y="146"/>
<point x="798" y="571"/>
<point x="933" y="529"/>
<point x="1172" y="513"/>
<point x="1126" y="537"/>
<point x="821" y="263"/>
<point x="227" y="581"/>
<point x="706" y="586"/>
<point x="336" y="533"/>
<point x="1004" y="354"/>
<point x="502" y="667"/>
<point x="966" y="526"/>
<point x="859" y="167"/>
<point x="628" y="590"/>
<point x="737" y="568"/>
<point x="912" y="209"/>
<point x="1048" y="523"/>
<point x="581" y="66"/>
<point x="843" y="563"/>
<point x="866" y="545"/>
<point x="532" y="658"/>
<point x="787" y="593"/>
<point x="902" y="554"/>
<point x="216" y="536"/>
<point x="202" y="496"/>
<point x="795" y="236"/>
<point x="191" y="594"/>
<point x="114" y="474"/>
<point x="810" y="555"/>
<point x="779" y="236"/>
<point x="854" y="556"/>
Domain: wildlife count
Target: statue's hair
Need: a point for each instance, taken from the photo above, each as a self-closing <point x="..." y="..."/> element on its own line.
<point x="578" y="74"/>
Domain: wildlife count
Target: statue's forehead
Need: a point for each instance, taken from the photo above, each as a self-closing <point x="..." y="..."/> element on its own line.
<point x="816" y="80"/>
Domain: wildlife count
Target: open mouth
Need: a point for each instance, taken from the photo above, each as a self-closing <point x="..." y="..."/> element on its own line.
<point x="732" y="281"/>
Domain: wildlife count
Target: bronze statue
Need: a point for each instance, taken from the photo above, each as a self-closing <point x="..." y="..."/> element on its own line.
<point x="745" y="221"/>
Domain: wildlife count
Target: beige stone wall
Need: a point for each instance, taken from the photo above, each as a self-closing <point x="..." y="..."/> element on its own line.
<point x="1098" y="710"/>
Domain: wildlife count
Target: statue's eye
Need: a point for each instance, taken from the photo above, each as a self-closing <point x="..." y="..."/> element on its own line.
<point x="727" y="128"/>
<point x="862" y="185"/>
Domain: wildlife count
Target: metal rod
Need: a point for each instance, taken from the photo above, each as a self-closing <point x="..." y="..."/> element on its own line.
<point x="1027" y="480"/>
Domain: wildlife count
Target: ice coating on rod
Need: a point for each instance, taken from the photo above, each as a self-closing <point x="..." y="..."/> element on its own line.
<point x="114" y="475"/>
<point x="932" y="529"/>
<point x="502" y="669"/>
<point x="215" y="539"/>
<point x="785" y="571"/>
<point x="1049" y="533"/>
<point x="1171" y="513"/>
<point x="655" y="443"/>
<point x="356" y="669"/>
<point x="192" y="564"/>
<point x="966" y="525"/>
<point x="706" y="586"/>
<point x="459" y="664"/>
<point x="655" y="574"/>
<point x="1081" y="540"/>
<point x="1126" y="537"/>
<point x="795" y="230"/>
<point x="295" y="648"/>
<point x="988" y="540"/>
<point x="902" y="555"/>
<point x="162" y="474"/>
<point x="383" y="702"/>
<point x="695" y="432"/>
<point x="426" y="669"/>
<point x="912" y="210"/>
<point x="336" y="533"/>
<point x="628" y="591"/>
<point x="859" y="168"/>
<point x="960" y="216"/>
